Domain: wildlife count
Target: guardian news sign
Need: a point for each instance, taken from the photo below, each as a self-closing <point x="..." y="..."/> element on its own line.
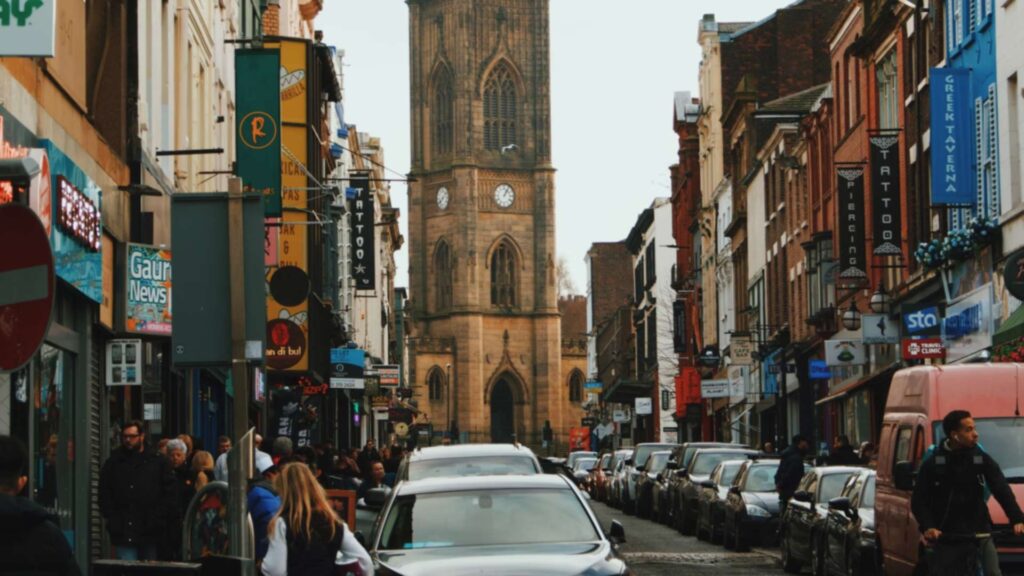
<point x="27" y="27"/>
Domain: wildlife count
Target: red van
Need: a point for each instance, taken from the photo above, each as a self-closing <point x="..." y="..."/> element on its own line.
<point x="919" y="397"/>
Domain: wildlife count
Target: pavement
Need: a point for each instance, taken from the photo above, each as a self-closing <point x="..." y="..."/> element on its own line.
<point x="653" y="549"/>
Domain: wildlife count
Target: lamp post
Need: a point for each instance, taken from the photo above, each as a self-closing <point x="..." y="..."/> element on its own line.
<point x="880" y="300"/>
<point x="851" y="317"/>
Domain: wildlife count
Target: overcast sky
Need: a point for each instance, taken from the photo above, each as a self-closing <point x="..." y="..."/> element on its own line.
<point x="614" y="69"/>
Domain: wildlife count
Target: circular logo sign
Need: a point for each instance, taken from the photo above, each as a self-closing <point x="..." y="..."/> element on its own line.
<point x="257" y="130"/>
<point x="1013" y="272"/>
<point x="286" y="344"/>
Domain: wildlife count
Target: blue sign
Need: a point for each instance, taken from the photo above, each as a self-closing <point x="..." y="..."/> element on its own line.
<point x="952" y="137"/>
<point x="923" y="322"/>
<point x="353" y="356"/>
<point x="965" y="322"/>
<point x="771" y="380"/>
<point x="819" y="370"/>
<point x="593" y="385"/>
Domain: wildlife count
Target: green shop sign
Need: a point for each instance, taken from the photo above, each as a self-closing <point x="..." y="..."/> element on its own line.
<point x="258" y="133"/>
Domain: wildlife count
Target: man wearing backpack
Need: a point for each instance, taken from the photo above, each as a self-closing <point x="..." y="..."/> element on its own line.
<point x="949" y="495"/>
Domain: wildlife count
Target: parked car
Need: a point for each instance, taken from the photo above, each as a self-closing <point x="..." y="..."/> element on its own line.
<point x="552" y="465"/>
<point x="919" y="398"/>
<point x="637" y="460"/>
<point x="581" y="470"/>
<point x="681" y="456"/>
<point x="603" y="475"/>
<point x="711" y="501"/>
<point x="493" y="524"/>
<point x="656" y="464"/>
<point x="689" y="477"/>
<point x="802" y="534"/>
<point x="616" y="486"/>
<point x="851" y="540"/>
<point x="752" y="506"/>
<point x="660" y="503"/>
<point x="570" y="461"/>
<point x="468" y="460"/>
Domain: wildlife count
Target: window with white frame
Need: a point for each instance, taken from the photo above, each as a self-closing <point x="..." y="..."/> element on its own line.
<point x="886" y="74"/>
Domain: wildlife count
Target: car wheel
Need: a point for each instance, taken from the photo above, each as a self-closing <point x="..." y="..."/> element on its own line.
<point x="699" y="532"/>
<point x="789" y="564"/>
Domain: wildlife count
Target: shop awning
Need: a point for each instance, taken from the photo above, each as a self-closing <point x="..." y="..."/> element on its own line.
<point x="877" y="375"/>
<point x="625" y="391"/>
<point x="1011" y="329"/>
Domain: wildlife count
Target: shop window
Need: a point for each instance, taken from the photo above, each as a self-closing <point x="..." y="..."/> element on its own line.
<point x="53" y="447"/>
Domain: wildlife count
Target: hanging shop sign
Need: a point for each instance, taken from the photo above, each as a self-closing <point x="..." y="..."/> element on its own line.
<point x="923" y="322"/>
<point x="885" y="200"/>
<point x="710" y="356"/>
<point x="852" y="257"/>
<point x="714" y="389"/>
<point x="28" y="27"/>
<point x="818" y="370"/>
<point x="643" y="406"/>
<point x="738" y="376"/>
<point x="258" y="135"/>
<point x="363" y="237"/>
<point x="967" y="326"/>
<point x="1013" y="274"/>
<point x="124" y="362"/>
<point x="389" y="374"/>
<point x="844" y="352"/>
<point x="148" y="290"/>
<point x="679" y="327"/>
<point x="286" y="343"/>
<point x="347" y="367"/>
<point x="769" y="369"/>
<point x="741" y="350"/>
<point x="923" y="348"/>
<point x="879" y="329"/>
<point x="593" y="385"/>
<point x="952" y="121"/>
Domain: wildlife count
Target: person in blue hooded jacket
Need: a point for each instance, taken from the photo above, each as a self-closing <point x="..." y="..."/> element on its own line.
<point x="263" y="503"/>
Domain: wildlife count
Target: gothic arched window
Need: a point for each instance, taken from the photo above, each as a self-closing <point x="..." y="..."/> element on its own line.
<point x="576" y="387"/>
<point x="441" y="112"/>
<point x="500" y="111"/>
<point x="443" y="276"/>
<point x="503" y="276"/>
<point x="435" y="384"/>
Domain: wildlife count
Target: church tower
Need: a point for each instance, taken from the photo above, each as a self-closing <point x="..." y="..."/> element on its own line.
<point x="485" y="350"/>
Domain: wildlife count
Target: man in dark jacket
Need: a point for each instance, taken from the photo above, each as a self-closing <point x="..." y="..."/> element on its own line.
<point x="842" y="453"/>
<point x="791" y="469"/>
<point x="949" y="493"/>
<point x="30" y="540"/>
<point x="137" y="496"/>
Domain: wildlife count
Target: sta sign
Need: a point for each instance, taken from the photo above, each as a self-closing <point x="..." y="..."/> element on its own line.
<point x="923" y="322"/>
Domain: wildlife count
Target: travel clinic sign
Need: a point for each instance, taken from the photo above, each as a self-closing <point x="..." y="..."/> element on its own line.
<point x="148" y="290"/>
<point x="952" y="137"/>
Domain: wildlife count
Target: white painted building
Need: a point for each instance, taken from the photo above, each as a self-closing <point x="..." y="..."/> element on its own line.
<point x="1010" y="88"/>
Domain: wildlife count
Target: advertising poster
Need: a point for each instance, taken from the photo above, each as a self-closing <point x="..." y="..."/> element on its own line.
<point x="579" y="439"/>
<point x="148" y="293"/>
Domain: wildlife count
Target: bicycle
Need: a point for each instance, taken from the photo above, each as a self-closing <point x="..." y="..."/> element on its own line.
<point x="960" y="554"/>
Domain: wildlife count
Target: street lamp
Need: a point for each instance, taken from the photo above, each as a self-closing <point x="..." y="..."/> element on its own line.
<point x="880" y="300"/>
<point x="851" y="317"/>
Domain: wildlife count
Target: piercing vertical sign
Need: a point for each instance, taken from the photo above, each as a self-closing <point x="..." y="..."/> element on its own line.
<point x="852" y="257"/>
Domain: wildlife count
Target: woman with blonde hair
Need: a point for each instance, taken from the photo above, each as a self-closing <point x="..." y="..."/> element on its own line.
<point x="202" y="466"/>
<point x="306" y="536"/>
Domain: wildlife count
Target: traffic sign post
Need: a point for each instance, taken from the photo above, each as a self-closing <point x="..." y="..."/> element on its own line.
<point x="26" y="285"/>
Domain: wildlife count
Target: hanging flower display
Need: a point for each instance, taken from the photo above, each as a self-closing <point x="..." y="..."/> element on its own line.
<point x="1012" y="351"/>
<point x="959" y="244"/>
<point x="929" y="254"/>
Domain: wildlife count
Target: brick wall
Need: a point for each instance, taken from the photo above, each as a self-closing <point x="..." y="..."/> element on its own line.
<point x="272" y="20"/>
<point x="611" y="269"/>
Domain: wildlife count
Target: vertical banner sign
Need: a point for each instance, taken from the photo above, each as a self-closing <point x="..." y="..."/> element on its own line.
<point x="885" y="200"/>
<point x="148" y="293"/>
<point x="363" y="238"/>
<point x="679" y="326"/>
<point x="852" y="257"/>
<point x="258" y="134"/>
<point x="27" y="27"/>
<point x="952" y="119"/>
<point x="288" y="277"/>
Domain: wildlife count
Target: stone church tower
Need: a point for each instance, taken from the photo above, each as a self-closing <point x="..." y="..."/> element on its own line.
<point x="485" y="348"/>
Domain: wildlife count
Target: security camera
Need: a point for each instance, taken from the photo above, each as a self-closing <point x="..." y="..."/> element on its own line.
<point x="509" y="148"/>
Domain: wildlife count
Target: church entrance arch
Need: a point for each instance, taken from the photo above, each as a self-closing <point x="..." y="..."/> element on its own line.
<point x="503" y="412"/>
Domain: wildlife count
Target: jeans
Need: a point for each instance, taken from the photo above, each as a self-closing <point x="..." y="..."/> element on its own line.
<point x="147" y="552"/>
<point x="942" y="558"/>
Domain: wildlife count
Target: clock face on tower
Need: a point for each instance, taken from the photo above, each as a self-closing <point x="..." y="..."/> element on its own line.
<point x="442" y="198"/>
<point x="504" y="195"/>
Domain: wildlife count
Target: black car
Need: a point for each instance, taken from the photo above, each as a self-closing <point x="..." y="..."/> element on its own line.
<point x="493" y="524"/>
<point x="680" y="459"/>
<point x="851" y="543"/>
<point x="656" y="465"/>
<point x="752" y="506"/>
<point x="802" y="532"/>
<point x="711" y="501"/>
<point x="689" y="477"/>
<point x="627" y="492"/>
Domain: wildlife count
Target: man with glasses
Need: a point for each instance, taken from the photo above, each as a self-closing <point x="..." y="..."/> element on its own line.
<point x="137" y="496"/>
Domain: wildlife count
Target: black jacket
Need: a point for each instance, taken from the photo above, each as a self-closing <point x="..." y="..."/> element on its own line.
<point x="949" y="492"/>
<point x="138" y="497"/>
<point x="791" y="470"/>
<point x="31" y="542"/>
<point x="844" y="456"/>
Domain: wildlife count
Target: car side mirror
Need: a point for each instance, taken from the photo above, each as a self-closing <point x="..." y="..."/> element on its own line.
<point x="672" y="465"/>
<point x="707" y="484"/>
<point x="361" y="538"/>
<point x="903" y="475"/>
<point x="802" y="496"/>
<point x="375" y="497"/>
<point x="734" y="490"/>
<point x="661" y="476"/>
<point x="639" y="468"/>
<point x="840" y="503"/>
<point x="617" y="534"/>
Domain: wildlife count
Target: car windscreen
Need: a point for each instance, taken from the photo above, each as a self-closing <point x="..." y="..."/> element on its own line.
<point x="831" y="485"/>
<point x="471" y="466"/>
<point x="761" y="478"/>
<point x="868" y="500"/>
<point x="486" y="518"/>
<point x="657" y="462"/>
<point x="585" y="464"/>
<point x="729" y="474"/>
<point x="1002" y="439"/>
<point x="705" y="462"/>
<point x="644" y="452"/>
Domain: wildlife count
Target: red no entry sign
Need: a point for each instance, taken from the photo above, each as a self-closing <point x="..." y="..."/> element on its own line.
<point x="26" y="285"/>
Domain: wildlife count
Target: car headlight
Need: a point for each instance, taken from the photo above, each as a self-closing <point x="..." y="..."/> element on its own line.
<point x="757" y="511"/>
